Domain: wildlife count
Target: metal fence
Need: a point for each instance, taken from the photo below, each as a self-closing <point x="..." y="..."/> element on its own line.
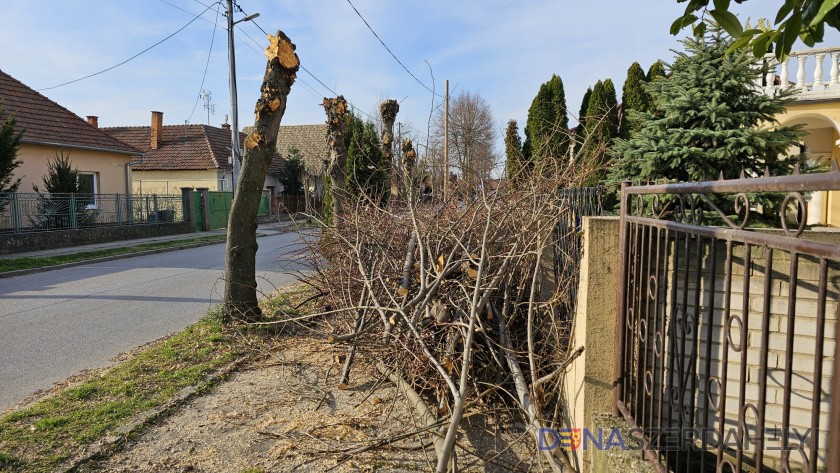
<point x="574" y="203"/>
<point x="38" y="212"/>
<point x="726" y="336"/>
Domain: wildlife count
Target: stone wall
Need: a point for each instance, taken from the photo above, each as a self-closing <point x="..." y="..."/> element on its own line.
<point x="16" y="243"/>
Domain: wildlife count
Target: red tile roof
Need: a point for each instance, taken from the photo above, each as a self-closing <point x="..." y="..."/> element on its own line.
<point x="45" y="121"/>
<point x="184" y="147"/>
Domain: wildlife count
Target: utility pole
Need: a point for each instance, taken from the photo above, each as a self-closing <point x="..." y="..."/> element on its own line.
<point x="234" y="116"/>
<point x="234" y="108"/>
<point x="446" y="145"/>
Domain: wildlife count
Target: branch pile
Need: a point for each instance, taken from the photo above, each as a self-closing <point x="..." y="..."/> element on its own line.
<point x="447" y="298"/>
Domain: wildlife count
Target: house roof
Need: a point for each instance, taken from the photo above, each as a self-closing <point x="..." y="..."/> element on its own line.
<point x="184" y="147"/>
<point x="311" y="140"/>
<point x="46" y="122"/>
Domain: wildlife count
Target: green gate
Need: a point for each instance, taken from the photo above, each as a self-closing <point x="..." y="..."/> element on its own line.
<point x="219" y="204"/>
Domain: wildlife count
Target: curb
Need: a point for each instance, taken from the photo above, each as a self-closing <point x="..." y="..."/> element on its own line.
<point x="121" y="434"/>
<point x="24" y="272"/>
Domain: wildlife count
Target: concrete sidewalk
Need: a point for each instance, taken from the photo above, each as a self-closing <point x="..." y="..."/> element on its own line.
<point x="264" y="229"/>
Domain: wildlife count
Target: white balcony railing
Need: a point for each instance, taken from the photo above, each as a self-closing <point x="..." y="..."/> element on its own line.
<point x="809" y="66"/>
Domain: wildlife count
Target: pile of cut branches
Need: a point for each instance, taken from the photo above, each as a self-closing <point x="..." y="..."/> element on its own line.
<point x="460" y="304"/>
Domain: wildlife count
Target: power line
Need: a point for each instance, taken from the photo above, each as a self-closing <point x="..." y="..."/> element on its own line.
<point x="389" y="50"/>
<point x="132" y="57"/>
<point x="207" y="65"/>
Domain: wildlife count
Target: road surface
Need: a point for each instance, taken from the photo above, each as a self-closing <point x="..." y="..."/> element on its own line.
<point x="57" y="323"/>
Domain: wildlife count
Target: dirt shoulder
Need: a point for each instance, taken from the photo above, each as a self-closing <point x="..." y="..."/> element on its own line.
<point x="284" y="412"/>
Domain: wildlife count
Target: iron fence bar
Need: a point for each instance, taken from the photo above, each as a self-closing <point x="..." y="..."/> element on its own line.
<point x="813" y="248"/>
<point x="621" y="304"/>
<point x="742" y="391"/>
<point x="73" y="223"/>
<point x="646" y="450"/>
<point x="765" y="349"/>
<point x="828" y="181"/>
<point x="119" y="211"/>
<point x="818" y="366"/>
<point x="16" y="212"/>
<point x="834" y="427"/>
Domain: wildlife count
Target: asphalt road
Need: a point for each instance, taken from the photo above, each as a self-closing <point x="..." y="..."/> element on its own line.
<point x="57" y="323"/>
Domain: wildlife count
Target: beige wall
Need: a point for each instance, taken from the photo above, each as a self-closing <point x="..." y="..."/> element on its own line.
<point x="162" y="182"/>
<point x="109" y="167"/>
<point x="822" y="121"/>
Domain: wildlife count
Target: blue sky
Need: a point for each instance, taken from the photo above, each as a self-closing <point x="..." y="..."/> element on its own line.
<point x="503" y="50"/>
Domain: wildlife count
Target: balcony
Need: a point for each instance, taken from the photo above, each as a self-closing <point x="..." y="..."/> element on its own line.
<point x="809" y="64"/>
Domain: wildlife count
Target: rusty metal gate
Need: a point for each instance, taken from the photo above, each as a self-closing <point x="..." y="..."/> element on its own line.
<point x="726" y="336"/>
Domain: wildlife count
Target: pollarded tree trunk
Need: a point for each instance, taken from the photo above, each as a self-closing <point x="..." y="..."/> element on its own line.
<point x="409" y="160"/>
<point x="389" y="110"/>
<point x="240" y="260"/>
<point x="336" y="108"/>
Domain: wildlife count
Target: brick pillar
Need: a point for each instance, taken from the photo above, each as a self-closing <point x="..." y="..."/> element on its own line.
<point x="204" y="195"/>
<point x="189" y="204"/>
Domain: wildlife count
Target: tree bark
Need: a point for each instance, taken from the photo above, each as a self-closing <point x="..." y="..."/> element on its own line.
<point x="240" y="259"/>
<point x="389" y="110"/>
<point x="409" y="160"/>
<point x="336" y="108"/>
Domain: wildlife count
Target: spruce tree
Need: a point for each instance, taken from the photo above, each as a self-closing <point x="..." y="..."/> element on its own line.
<point x="713" y="120"/>
<point x="366" y="167"/>
<point x="291" y="176"/>
<point x="9" y="147"/>
<point x="547" y="128"/>
<point x="633" y="97"/>
<point x="514" y="165"/>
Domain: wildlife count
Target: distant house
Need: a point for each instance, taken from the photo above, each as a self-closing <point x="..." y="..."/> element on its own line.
<point x="185" y="156"/>
<point x="49" y="129"/>
<point x="311" y="141"/>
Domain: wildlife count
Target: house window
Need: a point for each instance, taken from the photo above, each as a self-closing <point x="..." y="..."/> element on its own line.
<point x="87" y="181"/>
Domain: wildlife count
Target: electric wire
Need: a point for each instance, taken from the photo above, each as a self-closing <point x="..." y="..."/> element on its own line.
<point x="391" y="52"/>
<point x="132" y="57"/>
<point x="207" y="65"/>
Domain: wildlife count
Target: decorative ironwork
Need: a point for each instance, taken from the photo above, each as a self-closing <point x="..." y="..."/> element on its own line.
<point x="711" y="322"/>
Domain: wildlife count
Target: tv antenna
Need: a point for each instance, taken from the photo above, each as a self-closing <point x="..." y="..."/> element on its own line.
<point x="210" y="107"/>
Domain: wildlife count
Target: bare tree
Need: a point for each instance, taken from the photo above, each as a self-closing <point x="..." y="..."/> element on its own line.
<point x="335" y="109"/>
<point x="472" y="133"/>
<point x="389" y="110"/>
<point x="260" y="145"/>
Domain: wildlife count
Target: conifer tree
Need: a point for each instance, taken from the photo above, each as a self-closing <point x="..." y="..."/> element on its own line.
<point x="366" y="168"/>
<point x="514" y="165"/>
<point x="584" y="108"/>
<point x="633" y="97"/>
<point x="9" y="146"/>
<point x="601" y="128"/>
<point x="547" y="128"/>
<point x="657" y="69"/>
<point x="712" y="120"/>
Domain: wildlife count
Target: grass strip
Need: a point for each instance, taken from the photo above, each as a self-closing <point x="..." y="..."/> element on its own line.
<point x="40" y="437"/>
<point x="15" y="264"/>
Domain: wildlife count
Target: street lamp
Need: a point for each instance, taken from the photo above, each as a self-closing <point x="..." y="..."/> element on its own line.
<point x="234" y="111"/>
